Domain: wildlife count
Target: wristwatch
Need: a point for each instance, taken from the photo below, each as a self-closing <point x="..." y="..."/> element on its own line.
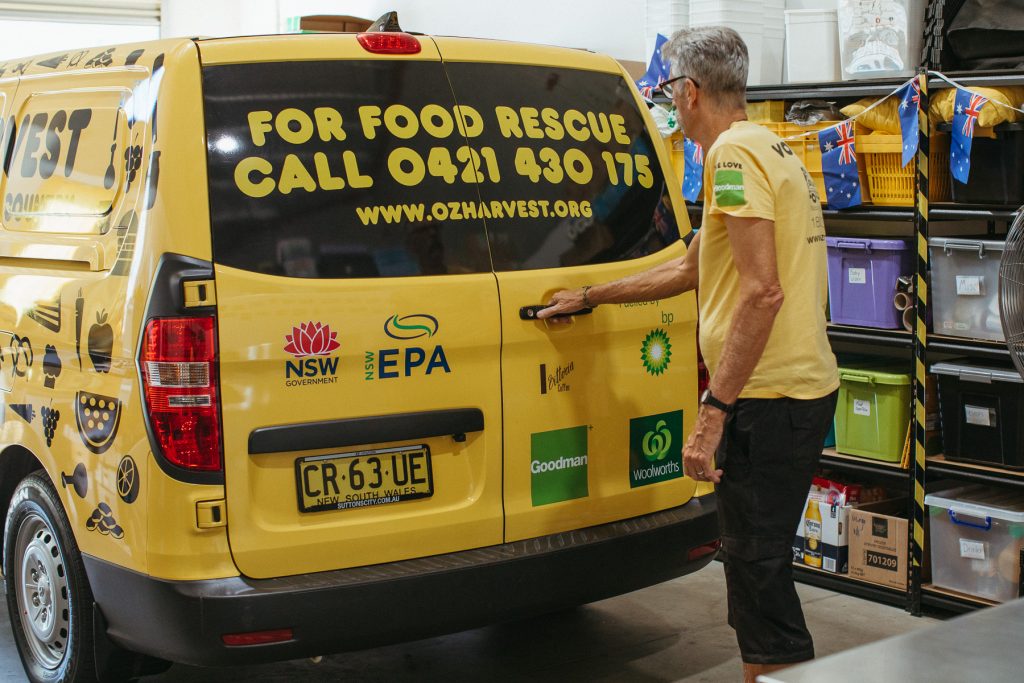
<point x="709" y="399"/>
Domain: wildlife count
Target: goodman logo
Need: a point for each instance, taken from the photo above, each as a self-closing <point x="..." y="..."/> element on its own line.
<point x="411" y="326"/>
<point x="558" y="465"/>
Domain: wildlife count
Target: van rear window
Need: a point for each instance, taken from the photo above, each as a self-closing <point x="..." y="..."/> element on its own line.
<point x="319" y="169"/>
<point x="352" y="168"/>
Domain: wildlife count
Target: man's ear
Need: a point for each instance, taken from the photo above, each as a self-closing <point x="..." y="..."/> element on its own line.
<point x="692" y="93"/>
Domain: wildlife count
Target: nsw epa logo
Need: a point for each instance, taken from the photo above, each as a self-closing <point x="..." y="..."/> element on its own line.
<point x="655" y="448"/>
<point x="312" y="344"/>
<point x="411" y="360"/>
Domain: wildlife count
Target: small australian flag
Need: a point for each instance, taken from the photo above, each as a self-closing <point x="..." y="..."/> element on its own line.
<point x="910" y="103"/>
<point x="657" y="70"/>
<point x="839" y="166"/>
<point x="693" y="171"/>
<point x="966" y="109"/>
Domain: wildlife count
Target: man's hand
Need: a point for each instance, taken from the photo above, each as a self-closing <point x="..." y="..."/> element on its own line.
<point x="702" y="444"/>
<point x="563" y="302"/>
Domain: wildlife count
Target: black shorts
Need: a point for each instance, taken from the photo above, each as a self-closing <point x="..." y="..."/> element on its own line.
<point x="769" y="452"/>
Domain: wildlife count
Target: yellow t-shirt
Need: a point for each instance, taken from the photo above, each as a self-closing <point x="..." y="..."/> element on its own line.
<point x="750" y="173"/>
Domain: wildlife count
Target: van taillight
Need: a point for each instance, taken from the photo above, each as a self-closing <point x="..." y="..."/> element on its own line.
<point x="388" y="42"/>
<point x="179" y="376"/>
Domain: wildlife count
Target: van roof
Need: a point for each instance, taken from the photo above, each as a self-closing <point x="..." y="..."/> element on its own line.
<point x="300" y="47"/>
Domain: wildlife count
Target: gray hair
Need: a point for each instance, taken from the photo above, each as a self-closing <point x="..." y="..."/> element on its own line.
<point x="714" y="56"/>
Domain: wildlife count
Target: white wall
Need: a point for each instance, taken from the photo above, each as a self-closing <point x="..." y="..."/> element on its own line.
<point x="615" y="27"/>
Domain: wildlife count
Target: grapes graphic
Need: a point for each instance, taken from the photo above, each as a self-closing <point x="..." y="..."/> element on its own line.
<point x="50" y="418"/>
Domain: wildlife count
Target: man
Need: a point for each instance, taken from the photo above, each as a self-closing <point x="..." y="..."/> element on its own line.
<point x="760" y="263"/>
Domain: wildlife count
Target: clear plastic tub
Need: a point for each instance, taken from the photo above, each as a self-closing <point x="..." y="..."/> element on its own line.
<point x="977" y="535"/>
<point x="965" y="287"/>
<point x="880" y="38"/>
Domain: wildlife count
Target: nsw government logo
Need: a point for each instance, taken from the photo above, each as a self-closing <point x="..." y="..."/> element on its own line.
<point x="558" y="465"/>
<point x="312" y="344"/>
<point x="655" y="448"/>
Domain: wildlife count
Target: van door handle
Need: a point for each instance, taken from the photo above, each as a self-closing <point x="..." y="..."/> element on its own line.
<point x="530" y="312"/>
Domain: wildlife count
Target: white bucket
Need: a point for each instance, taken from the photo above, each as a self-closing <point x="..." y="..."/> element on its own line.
<point x="664" y="17"/>
<point x="812" y="46"/>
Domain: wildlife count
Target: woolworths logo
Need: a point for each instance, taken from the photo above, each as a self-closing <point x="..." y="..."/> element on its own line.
<point x="558" y="465"/>
<point x="655" y="448"/>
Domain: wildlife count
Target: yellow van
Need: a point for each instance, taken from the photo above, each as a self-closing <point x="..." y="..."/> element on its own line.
<point x="270" y="383"/>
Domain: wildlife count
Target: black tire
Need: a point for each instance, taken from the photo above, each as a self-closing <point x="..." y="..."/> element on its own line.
<point x="51" y="609"/>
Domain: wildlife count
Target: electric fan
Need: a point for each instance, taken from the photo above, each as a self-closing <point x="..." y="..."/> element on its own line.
<point x="1011" y="290"/>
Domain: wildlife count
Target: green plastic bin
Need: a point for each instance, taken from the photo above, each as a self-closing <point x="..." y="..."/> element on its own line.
<point x="873" y="412"/>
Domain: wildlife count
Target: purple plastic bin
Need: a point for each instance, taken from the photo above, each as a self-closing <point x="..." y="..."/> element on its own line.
<point x="862" y="274"/>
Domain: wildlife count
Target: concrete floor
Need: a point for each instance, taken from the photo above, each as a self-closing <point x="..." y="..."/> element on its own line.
<point x="675" y="631"/>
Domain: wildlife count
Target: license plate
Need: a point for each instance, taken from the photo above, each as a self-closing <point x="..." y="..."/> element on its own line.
<point x="343" y="481"/>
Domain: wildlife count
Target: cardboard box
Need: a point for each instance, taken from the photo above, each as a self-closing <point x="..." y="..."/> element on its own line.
<point x="633" y="68"/>
<point x="878" y="543"/>
<point x="327" y="23"/>
<point x="834" y="537"/>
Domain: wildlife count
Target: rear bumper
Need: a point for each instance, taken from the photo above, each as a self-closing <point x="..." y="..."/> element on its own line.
<point x="350" y="609"/>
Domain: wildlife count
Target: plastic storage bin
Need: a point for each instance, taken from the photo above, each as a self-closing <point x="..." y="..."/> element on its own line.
<point x="862" y="274"/>
<point x="982" y="413"/>
<point x="880" y="39"/>
<point x="997" y="176"/>
<point x="892" y="183"/>
<point x="965" y="287"/>
<point x="873" y="412"/>
<point x="812" y="46"/>
<point x="976" y="539"/>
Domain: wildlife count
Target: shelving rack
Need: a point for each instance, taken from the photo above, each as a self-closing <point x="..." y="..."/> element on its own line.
<point x="924" y="469"/>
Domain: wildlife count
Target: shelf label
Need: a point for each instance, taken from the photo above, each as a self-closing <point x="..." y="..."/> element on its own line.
<point x="972" y="550"/>
<point x="861" y="407"/>
<point x="969" y="285"/>
<point x="858" y="276"/>
<point x="980" y="415"/>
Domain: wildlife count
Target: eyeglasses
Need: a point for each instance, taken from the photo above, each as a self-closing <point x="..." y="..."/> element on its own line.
<point x="667" y="87"/>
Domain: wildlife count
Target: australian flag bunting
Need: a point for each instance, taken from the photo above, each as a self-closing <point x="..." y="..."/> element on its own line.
<point x="693" y="171"/>
<point x="657" y="70"/>
<point x="910" y="103"/>
<point x="966" y="108"/>
<point x="839" y="166"/>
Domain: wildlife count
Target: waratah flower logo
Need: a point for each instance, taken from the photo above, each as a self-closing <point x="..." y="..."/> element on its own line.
<point x="311" y="339"/>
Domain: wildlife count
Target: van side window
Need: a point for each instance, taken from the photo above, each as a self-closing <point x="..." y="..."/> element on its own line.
<point x="580" y="179"/>
<point x="67" y="163"/>
<point x="341" y="169"/>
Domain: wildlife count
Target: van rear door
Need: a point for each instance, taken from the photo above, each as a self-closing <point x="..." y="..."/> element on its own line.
<point x="572" y="191"/>
<point x="357" y="311"/>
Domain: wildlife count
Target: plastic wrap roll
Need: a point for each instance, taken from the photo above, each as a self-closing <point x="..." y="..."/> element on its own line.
<point x="902" y="301"/>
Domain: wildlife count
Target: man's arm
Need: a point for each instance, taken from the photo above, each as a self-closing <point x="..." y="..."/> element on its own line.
<point x="760" y="297"/>
<point x="660" y="282"/>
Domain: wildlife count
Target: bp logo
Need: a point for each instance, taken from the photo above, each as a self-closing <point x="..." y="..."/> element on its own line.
<point x="655" y="448"/>
<point x="558" y="465"/>
<point x="656" y="352"/>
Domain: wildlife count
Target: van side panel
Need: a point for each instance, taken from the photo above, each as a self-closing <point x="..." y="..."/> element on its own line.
<point x="85" y="219"/>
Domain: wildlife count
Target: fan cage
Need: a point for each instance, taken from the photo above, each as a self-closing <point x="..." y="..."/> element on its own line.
<point x="1011" y="290"/>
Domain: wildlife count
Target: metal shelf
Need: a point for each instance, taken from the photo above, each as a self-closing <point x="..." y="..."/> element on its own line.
<point x="836" y="89"/>
<point x="984" y="474"/>
<point x="851" y="463"/>
<point x="866" y="212"/>
<point x="988" y="79"/>
<point x="950" y="211"/>
<point x="969" y="347"/>
<point x="870" y="335"/>
<point x="843" y="583"/>
<point x="951" y="601"/>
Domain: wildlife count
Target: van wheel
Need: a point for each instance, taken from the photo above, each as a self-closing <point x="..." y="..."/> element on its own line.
<point x="48" y="595"/>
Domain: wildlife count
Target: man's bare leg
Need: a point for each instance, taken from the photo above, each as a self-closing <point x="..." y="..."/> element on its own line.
<point x="752" y="671"/>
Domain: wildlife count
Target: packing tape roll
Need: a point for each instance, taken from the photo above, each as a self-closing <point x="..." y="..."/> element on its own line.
<point x="902" y="301"/>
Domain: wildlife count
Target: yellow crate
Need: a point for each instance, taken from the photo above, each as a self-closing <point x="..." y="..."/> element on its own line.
<point x="768" y="110"/>
<point x="674" y="144"/>
<point x="807" y="150"/>
<point x="892" y="184"/>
